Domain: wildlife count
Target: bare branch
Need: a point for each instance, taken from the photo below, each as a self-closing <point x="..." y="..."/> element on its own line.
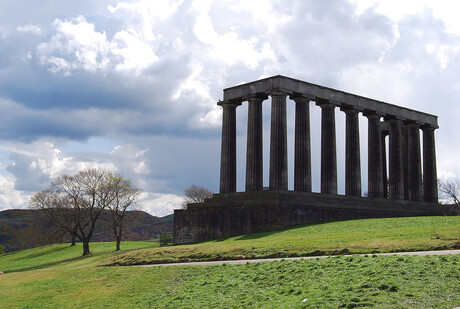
<point x="75" y="203"/>
<point x="450" y="189"/>
<point x="196" y="194"/>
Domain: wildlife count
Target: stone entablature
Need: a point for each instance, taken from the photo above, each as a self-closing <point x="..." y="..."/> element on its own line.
<point x="294" y="87"/>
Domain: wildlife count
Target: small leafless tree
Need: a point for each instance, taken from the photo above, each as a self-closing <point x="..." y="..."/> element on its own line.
<point x="125" y="197"/>
<point x="450" y="189"/>
<point x="75" y="203"/>
<point x="195" y="194"/>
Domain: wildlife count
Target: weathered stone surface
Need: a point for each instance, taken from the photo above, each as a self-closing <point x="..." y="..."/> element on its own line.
<point x="254" y="152"/>
<point x="248" y="212"/>
<point x="414" y="165"/>
<point x="328" y="149"/>
<point x="352" y="153"/>
<point x="231" y="213"/>
<point x="430" y="187"/>
<point x="396" y="186"/>
<point x="297" y="87"/>
<point x="278" y="143"/>
<point x="375" y="158"/>
<point x="302" y="152"/>
<point x="228" y="150"/>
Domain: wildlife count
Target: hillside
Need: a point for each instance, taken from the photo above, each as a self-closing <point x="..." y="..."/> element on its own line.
<point x="329" y="238"/>
<point x="57" y="276"/>
<point x="23" y="228"/>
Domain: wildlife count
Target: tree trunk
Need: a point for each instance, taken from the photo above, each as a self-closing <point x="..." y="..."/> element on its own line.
<point x="118" y="243"/>
<point x="86" y="247"/>
<point x="72" y="235"/>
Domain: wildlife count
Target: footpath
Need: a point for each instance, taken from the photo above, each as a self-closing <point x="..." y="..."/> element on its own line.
<point x="208" y="263"/>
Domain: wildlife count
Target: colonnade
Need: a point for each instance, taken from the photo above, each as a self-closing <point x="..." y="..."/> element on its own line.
<point x="405" y="164"/>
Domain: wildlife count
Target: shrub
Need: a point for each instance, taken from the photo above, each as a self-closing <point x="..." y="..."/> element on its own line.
<point x="166" y="239"/>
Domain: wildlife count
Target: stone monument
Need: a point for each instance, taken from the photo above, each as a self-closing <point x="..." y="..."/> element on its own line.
<point x="400" y="193"/>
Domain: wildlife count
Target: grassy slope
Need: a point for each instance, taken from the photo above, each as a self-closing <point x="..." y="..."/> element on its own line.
<point x="57" y="277"/>
<point x="356" y="236"/>
<point x="340" y="282"/>
<point x="63" y="256"/>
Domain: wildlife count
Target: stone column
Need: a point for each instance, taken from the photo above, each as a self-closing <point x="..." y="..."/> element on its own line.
<point x="430" y="181"/>
<point x="302" y="156"/>
<point x="352" y="154"/>
<point x="278" y="143"/>
<point x="228" y="150"/>
<point x="385" y="177"/>
<point x="254" y="153"/>
<point x="328" y="148"/>
<point x="375" y="168"/>
<point x="414" y="165"/>
<point x="396" y="160"/>
<point x="405" y="156"/>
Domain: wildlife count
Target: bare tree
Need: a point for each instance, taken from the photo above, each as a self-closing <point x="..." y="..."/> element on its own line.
<point x="195" y="194"/>
<point x="75" y="203"/>
<point x="57" y="213"/>
<point x="450" y="189"/>
<point x="125" y="195"/>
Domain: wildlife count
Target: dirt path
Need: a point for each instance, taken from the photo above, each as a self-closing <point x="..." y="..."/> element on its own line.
<point x="420" y="253"/>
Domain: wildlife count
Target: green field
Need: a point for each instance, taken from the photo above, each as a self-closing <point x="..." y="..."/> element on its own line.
<point x="57" y="276"/>
<point x="355" y="236"/>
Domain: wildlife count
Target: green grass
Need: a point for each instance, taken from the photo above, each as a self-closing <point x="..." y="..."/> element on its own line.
<point x="63" y="255"/>
<point x="355" y="236"/>
<point x="57" y="276"/>
<point x="339" y="282"/>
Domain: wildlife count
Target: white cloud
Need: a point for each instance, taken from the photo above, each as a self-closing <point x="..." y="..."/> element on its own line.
<point x="34" y="165"/>
<point x="229" y="47"/>
<point x="389" y="83"/>
<point x="263" y="11"/>
<point x="136" y="53"/>
<point x="159" y="204"/>
<point x="30" y="28"/>
<point x="76" y="45"/>
<point x="11" y="198"/>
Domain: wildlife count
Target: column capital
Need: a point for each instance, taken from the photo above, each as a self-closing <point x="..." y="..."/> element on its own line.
<point x="325" y="104"/>
<point x="352" y="109"/>
<point x="413" y="125"/>
<point x="257" y="99"/>
<point x="301" y="98"/>
<point x="371" y="114"/>
<point x="428" y="127"/>
<point x="278" y="93"/>
<point x="349" y="110"/>
<point x="390" y="118"/>
<point x="231" y="103"/>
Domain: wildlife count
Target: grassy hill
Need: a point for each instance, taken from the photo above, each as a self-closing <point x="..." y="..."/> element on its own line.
<point x="56" y="276"/>
<point x="24" y="228"/>
<point x="355" y="236"/>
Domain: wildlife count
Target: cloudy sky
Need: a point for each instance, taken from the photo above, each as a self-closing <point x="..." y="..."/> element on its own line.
<point x="133" y="85"/>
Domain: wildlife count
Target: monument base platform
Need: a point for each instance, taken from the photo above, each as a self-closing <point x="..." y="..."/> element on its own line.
<point x="231" y="214"/>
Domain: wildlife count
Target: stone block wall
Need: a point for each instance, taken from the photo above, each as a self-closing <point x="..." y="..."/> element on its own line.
<point x="233" y="214"/>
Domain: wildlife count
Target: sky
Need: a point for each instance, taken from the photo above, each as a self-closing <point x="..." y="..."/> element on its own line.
<point x="133" y="86"/>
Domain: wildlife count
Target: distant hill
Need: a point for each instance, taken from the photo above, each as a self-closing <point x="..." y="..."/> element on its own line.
<point x="24" y="228"/>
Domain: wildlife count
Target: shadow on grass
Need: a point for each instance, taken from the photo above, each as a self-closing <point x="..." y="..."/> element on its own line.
<point x="44" y="252"/>
<point x="51" y="264"/>
<point x="269" y="233"/>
